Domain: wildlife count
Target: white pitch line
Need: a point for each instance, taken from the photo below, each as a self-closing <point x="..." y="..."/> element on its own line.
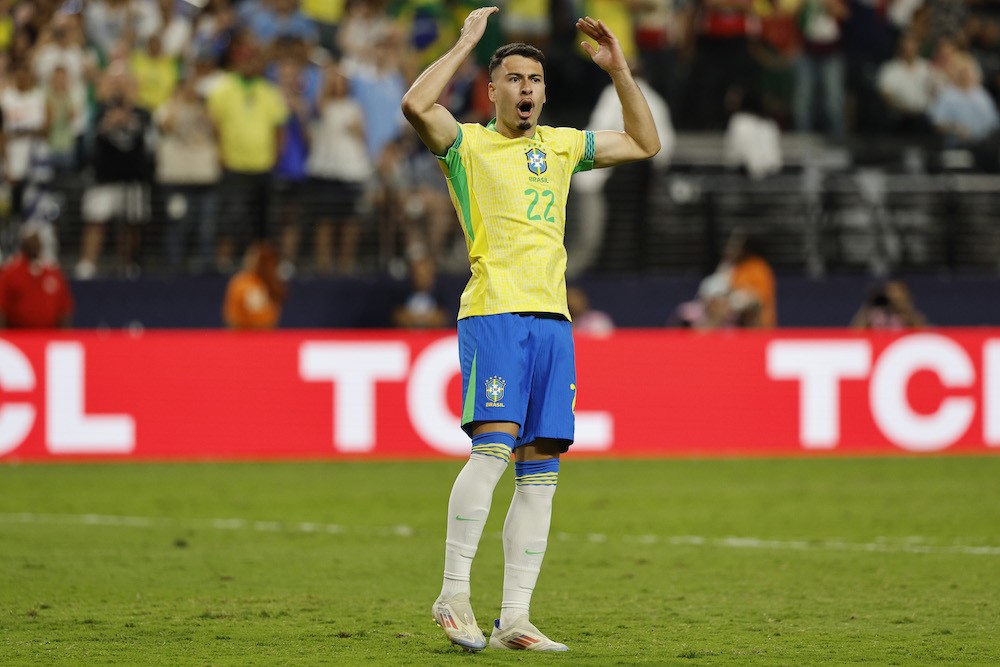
<point x="911" y="544"/>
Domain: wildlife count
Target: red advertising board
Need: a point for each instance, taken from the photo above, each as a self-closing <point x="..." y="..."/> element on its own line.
<point x="304" y="394"/>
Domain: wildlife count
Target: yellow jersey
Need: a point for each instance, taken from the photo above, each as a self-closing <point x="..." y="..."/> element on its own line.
<point x="324" y="11"/>
<point x="156" y="77"/>
<point x="247" y="114"/>
<point x="510" y="196"/>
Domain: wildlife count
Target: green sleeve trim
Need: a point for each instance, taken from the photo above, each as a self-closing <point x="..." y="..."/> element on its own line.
<point x="587" y="163"/>
<point x="459" y="181"/>
<point x="453" y="147"/>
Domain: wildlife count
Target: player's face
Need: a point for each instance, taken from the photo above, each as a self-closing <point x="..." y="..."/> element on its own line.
<point x="518" y="91"/>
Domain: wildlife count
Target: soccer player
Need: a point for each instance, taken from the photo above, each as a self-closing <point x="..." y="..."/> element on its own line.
<point x="509" y="183"/>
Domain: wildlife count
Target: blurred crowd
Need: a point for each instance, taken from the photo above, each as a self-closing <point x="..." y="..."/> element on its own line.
<point x="192" y="129"/>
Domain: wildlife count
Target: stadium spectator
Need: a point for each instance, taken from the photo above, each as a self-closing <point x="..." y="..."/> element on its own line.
<point x="308" y="61"/>
<point x="751" y="281"/>
<point x="63" y="45"/>
<point x="721" y="61"/>
<point x="121" y="167"/>
<point x="591" y="193"/>
<point x="155" y="73"/>
<point x="421" y="309"/>
<point x="906" y="86"/>
<point x="775" y="50"/>
<point x="821" y="66"/>
<point x="26" y="128"/>
<point x="64" y="112"/>
<point x="753" y="140"/>
<point x="867" y="41"/>
<point x="178" y="21"/>
<point x="290" y="167"/>
<point x="187" y="171"/>
<point x="363" y="25"/>
<point x="325" y="16"/>
<point x="34" y="293"/>
<point x="663" y="35"/>
<point x="255" y="296"/>
<point x="889" y="306"/>
<point x="378" y="87"/>
<point x="111" y="25"/>
<point x="249" y="114"/>
<point x="963" y="112"/>
<point x="586" y="320"/>
<point x="711" y="308"/>
<point x="339" y="168"/>
<point x="527" y="21"/>
<point x="268" y="21"/>
<point x="215" y="30"/>
<point x="741" y="291"/>
<point x="948" y="59"/>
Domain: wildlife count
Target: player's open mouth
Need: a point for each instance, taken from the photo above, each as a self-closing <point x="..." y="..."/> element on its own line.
<point x="525" y="108"/>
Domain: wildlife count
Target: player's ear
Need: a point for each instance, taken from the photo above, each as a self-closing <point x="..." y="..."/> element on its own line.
<point x="491" y="91"/>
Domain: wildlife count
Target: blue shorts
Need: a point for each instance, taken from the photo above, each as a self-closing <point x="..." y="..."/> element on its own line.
<point x="520" y="369"/>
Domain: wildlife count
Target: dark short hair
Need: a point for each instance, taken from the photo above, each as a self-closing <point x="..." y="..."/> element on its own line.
<point x="515" y="49"/>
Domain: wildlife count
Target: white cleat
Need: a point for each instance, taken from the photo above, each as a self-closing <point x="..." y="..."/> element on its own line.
<point x="522" y="636"/>
<point x="459" y="623"/>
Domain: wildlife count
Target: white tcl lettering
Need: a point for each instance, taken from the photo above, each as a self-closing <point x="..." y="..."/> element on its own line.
<point x="68" y="427"/>
<point x="821" y="365"/>
<point x="354" y="369"/>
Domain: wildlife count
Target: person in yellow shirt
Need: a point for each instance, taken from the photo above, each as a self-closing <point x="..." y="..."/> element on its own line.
<point x="249" y="113"/>
<point x="509" y="182"/>
<point x="527" y="21"/>
<point x="255" y="295"/>
<point x="154" y="72"/>
<point x="325" y="15"/>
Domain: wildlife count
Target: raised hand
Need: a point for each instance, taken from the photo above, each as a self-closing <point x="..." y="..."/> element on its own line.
<point x="608" y="55"/>
<point x="475" y="23"/>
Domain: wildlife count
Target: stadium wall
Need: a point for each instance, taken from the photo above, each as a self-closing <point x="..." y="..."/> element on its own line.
<point x="174" y="395"/>
<point x="195" y="302"/>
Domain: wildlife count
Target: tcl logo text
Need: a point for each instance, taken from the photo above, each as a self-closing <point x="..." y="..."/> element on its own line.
<point x="822" y="366"/>
<point x="69" y="429"/>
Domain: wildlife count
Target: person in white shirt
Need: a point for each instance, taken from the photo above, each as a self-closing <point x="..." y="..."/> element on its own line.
<point x="906" y="84"/>
<point x="584" y="238"/>
<point x="753" y="141"/>
<point x="25" y="130"/>
<point x="338" y="167"/>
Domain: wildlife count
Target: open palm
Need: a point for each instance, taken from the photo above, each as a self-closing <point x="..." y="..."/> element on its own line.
<point x="608" y="56"/>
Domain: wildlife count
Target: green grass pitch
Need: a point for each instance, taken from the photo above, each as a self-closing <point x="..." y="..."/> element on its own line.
<point x="879" y="561"/>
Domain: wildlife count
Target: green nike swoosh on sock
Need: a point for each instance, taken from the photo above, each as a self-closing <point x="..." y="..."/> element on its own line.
<point x="459" y="517"/>
<point x="533" y="553"/>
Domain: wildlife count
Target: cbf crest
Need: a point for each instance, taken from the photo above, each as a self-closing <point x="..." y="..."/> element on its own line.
<point x="536" y="161"/>
<point x="494" y="391"/>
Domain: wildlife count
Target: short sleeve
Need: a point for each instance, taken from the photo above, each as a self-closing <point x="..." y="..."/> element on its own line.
<point x="452" y="157"/>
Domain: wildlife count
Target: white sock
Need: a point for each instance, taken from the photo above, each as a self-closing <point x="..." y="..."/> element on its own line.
<point x="469" y="506"/>
<point x="525" y="535"/>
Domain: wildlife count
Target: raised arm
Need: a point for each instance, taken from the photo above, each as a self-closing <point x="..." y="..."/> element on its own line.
<point x="639" y="140"/>
<point x="434" y="123"/>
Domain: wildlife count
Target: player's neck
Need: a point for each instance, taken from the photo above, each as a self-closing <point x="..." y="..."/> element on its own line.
<point x="514" y="132"/>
